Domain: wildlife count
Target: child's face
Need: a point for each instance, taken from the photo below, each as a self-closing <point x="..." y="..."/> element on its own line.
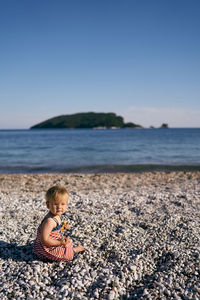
<point x="59" y="206"/>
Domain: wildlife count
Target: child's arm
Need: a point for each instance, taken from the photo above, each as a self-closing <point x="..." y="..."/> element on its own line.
<point x="47" y="227"/>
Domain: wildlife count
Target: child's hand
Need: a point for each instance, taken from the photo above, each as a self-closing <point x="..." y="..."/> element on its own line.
<point x="65" y="226"/>
<point x="65" y="241"/>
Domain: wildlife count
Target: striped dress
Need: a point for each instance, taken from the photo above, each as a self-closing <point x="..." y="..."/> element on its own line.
<point x="59" y="253"/>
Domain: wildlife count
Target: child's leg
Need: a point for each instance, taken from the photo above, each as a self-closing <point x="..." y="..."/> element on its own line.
<point x="69" y="252"/>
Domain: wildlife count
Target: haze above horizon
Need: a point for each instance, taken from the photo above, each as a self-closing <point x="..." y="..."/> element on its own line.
<point x="139" y="59"/>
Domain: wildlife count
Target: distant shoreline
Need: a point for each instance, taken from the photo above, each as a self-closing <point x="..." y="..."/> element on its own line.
<point x="53" y="129"/>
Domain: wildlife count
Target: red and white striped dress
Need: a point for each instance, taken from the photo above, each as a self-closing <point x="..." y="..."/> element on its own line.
<point x="59" y="253"/>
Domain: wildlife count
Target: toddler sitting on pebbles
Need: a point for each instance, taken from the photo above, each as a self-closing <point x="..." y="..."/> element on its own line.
<point x="50" y="242"/>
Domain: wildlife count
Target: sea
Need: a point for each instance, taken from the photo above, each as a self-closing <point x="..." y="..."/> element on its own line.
<point x="98" y="151"/>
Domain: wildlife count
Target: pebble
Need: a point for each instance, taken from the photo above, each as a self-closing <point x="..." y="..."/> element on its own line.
<point x="111" y="296"/>
<point x="141" y="237"/>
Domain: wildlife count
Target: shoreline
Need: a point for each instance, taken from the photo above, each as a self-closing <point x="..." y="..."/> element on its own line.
<point x="140" y="230"/>
<point x="102" y="169"/>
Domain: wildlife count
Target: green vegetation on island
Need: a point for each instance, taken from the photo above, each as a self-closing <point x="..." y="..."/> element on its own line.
<point x="86" y="120"/>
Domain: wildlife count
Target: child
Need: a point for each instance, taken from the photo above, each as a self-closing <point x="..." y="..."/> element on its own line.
<point x="50" y="242"/>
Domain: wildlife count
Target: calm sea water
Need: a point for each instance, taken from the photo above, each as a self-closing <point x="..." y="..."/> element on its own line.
<point x="87" y="150"/>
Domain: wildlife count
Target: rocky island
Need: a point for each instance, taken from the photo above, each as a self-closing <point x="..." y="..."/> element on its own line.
<point x="86" y="120"/>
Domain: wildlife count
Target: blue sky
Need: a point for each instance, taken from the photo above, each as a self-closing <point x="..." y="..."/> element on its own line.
<point x="139" y="59"/>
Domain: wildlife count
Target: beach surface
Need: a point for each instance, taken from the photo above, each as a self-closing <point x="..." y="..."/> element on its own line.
<point x="141" y="232"/>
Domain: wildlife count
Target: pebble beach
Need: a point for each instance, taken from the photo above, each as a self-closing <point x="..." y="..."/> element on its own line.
<point x="141" y="232"/>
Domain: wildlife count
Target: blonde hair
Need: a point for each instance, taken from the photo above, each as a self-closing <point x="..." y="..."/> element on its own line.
<point x="53" y="193"/>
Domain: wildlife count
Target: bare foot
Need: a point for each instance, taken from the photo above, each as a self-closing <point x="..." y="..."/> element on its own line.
<point x="79" y="249"/>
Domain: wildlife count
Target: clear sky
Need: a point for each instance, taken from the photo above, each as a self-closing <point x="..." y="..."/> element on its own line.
<point x="137" y="58"/>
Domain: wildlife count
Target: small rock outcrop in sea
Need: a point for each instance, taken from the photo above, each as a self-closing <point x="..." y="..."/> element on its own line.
<point x="164" y="125"/>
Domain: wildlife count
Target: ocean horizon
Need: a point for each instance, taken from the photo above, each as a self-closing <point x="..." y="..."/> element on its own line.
<point x="99" y="151"/>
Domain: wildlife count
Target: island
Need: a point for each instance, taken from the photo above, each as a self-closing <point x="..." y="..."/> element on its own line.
<point x="86" y="120"/>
